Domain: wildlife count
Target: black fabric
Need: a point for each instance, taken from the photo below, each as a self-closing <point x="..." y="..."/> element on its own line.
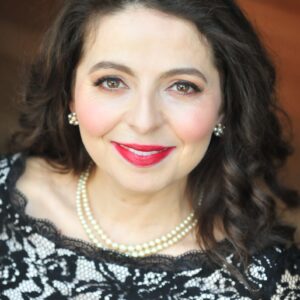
<point x="38" y="262"/>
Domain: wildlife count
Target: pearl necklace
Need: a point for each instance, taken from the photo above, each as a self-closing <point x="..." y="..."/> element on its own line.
<point x="138" y="250"/>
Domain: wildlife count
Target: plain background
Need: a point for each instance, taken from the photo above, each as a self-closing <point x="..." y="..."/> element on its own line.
<point x="22" y="24"/>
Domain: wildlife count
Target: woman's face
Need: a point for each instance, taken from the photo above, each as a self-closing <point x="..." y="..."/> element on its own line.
<point x="146" y="79"/>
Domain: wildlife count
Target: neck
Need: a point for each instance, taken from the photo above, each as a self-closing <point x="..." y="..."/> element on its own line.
<point x="134" y="217"/>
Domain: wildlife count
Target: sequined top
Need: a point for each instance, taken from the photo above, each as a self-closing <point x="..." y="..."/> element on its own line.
<point x="38" y="262"/>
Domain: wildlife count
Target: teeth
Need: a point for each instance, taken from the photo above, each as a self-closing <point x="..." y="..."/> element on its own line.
<point x="141" y="153"/>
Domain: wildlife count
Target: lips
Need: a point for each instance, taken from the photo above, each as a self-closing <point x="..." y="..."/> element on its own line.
<point x="143" y="155"/>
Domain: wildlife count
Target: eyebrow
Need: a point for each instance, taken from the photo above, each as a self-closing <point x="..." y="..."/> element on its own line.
<point x="125" y="69"/>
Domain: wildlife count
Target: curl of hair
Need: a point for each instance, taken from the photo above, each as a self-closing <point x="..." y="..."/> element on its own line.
<point x="237" y="176"/>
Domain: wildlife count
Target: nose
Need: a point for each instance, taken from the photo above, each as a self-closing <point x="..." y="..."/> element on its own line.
<point x="145" y="114"/>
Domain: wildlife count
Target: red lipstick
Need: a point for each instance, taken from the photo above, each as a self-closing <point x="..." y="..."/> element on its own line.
<point x="143" y="155"/>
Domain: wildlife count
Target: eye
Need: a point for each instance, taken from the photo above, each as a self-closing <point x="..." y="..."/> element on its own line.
<point x="110" y="83"/>
<point x="186" y="87"/>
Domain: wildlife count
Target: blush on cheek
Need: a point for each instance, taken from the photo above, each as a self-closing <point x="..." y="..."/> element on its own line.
<point x="194" y="126"/>
<point x="96" y="120"/>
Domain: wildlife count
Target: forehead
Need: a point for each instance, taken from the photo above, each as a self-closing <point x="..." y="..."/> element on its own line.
<point x="146" y="34"/>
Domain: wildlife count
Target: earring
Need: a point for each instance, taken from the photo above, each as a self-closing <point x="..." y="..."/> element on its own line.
<point x="219" y="130"/>
<point x="72" y="117"/>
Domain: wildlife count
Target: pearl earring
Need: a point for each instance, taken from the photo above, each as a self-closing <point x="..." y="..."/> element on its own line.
<point x="219" y="130"/>
<point x="72" y="117"/>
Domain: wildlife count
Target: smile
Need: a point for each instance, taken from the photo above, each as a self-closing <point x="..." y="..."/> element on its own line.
<point x="142" y="155"/>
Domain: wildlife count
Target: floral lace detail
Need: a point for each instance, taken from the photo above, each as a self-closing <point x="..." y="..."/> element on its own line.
<point x="38" y="262"/>
<point x="46" y="228"/>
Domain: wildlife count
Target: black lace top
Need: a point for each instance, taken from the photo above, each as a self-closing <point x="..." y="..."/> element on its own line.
<point x="37" y="262"/>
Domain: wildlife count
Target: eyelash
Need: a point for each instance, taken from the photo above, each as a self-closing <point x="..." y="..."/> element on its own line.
<point x="190" y="85"/>
<point x="196" y="89"/>
<point x="106" y="78"/>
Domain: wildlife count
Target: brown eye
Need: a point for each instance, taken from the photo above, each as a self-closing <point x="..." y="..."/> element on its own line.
<point x="110" y="83"/>
<point x="182" y="87"/>
<point x="186" y="88"/>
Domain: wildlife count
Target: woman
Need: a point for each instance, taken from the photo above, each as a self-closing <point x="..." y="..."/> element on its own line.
<point x="147" y="160"/>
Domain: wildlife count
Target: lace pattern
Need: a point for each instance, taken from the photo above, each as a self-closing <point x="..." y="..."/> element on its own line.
<point x="38" y="262"/>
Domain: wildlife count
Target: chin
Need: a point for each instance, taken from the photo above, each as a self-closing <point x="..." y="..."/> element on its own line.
<point x="142" y="185"/>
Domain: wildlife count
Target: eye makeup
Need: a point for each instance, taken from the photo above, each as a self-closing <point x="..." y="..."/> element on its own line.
<point x="111" y="83"/>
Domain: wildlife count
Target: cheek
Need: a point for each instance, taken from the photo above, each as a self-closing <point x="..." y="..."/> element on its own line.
<point x="94" y="117"/>
<point x="193" y="125"/>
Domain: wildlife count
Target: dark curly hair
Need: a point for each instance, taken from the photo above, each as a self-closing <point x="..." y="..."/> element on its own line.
<point x="238" y="174"/>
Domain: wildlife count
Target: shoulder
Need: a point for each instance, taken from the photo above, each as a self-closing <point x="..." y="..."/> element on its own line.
<point x="45" y="188"/>
<point x="277" y="270"/>
<point x="6" y="164"/>
<point x="14" y="169"/>
<point x="286" y="275"/>
<point x="10" y="168"/>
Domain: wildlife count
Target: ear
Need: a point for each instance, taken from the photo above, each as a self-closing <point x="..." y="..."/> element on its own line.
<point x="72" y="105"/>
<point x="220" y="118"/>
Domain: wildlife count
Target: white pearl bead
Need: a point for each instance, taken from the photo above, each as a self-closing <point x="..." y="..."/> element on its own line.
<point x="108" y="242"/>
<point x="138" y="248"/>
<point x="152" y="243"/>
<point x="169" y="235"/>
<point x="163" y="238"/>
<point x="157" y="241"/>
<point x="134" y="250"/>
<point x="123" y="248"/>
<point x="115" y="246"/>
<point x="130" y="248"/>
